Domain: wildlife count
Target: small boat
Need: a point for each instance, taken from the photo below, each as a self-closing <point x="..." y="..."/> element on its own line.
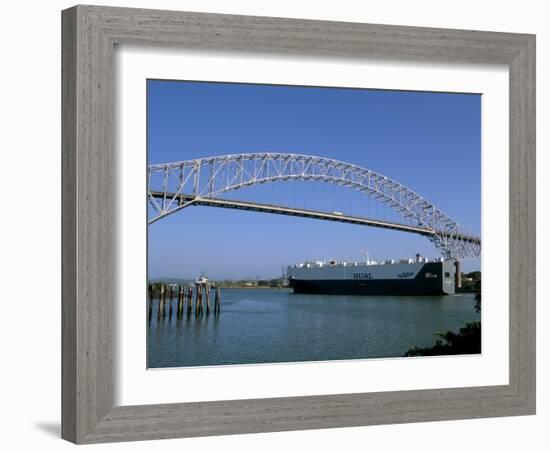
<point x="201" y="280"/>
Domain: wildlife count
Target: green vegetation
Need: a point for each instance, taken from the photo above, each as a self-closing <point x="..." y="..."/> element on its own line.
<point x="471" y="282"/>
<point x="468" y="340"/>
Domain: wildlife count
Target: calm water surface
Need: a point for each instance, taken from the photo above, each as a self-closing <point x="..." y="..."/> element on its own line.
<point x="265" y="326"/>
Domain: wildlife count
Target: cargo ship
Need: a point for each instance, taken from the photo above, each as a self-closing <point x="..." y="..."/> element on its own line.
<point x="413" y="276"/>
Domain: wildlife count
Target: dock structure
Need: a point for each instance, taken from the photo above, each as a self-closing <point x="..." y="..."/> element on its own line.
<point x="179" y="298"/>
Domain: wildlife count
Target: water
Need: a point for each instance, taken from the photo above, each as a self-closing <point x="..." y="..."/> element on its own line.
<point x="266" y="326"/>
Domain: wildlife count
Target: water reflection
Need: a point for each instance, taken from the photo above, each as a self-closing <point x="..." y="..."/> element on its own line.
<point x="262" y="326"/>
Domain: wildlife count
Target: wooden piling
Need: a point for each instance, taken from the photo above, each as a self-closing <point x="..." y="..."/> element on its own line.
<point x="201" y="309"/>
<point x="196" y="300"/>
<point x="150" y="301"/>
<point x="217" y="301"/>
<point x="181" y="296"/>
<point x="161" y="302"/>
<point x="189" y="300"/>
<point x="171" y="300"/>
<point x="203" y="300"/>
<point x="198" y="303"/>
<point x="164" y="308"/>
<point x="207" y="292"/>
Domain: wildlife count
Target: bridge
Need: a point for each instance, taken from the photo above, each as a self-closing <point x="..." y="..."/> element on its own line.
<point x="208" y="182"/>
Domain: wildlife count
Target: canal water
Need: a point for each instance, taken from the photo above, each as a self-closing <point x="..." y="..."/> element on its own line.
<point x="267" y="326"/>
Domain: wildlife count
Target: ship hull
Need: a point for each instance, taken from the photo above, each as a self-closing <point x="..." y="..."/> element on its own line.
<point x="424" y="283"/>
<point x="376" y="287"/>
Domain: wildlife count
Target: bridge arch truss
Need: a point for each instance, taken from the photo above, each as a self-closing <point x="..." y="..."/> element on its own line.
<point x="174" y="186"/>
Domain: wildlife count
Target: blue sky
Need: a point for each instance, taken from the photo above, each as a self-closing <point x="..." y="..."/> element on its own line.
<point x="430" y="142"/>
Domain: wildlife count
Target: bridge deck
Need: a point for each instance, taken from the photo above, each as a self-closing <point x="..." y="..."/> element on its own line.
<point x="299" y="212"/>
<point x="284" y="210"/>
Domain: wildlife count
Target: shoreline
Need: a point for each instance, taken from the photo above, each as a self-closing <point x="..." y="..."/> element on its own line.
<point x="263" y="288"/>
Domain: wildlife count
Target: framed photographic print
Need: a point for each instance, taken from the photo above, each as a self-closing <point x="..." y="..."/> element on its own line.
<point x="279" y="224"/>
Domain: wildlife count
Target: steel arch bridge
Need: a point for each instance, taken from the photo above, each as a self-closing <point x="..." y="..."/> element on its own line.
<point x="174" y="186"/>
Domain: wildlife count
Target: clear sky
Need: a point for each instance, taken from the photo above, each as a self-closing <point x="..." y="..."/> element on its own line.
<point x="430" y="142"/>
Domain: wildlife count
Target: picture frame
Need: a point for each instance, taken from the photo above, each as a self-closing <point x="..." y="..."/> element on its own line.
<point x="89" y="37"/>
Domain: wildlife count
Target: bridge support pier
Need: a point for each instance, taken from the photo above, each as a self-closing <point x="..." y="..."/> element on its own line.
<point x="458" y="275"/>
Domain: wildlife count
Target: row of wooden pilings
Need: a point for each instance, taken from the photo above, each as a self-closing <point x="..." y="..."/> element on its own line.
<point x="201" y="292"/>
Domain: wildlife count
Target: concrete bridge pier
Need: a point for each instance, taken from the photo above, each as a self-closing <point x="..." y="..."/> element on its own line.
<point x="458" y="275"/>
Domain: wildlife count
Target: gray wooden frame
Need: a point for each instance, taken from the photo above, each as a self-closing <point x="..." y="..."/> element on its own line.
<point x="89" y="36"/>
